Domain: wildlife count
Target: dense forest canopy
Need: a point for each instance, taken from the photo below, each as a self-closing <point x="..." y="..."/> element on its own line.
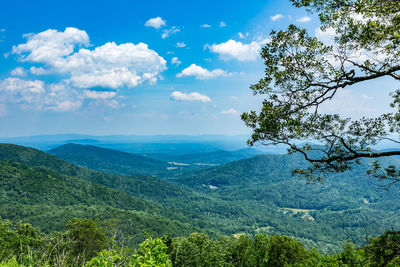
<point x="302" y="73"/>
<point x="88" y="242"/>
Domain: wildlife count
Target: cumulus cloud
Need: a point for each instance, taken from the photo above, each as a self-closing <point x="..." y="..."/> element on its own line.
<point x="51" y="46"/>
<point x="155" y="23"/>
<point x="180" y="44"/>
<point x="19" y="71"/>
<point x="202" y="73"/>
<point x="167" y="32"/>
<point x="304" y="19"/>
<point x="205" y="26"/>
<point x="179" y="96"/>
<point x="37" y="70"/>
<point x="230" y="111"/>
<point x="222" y="24"/>
<point x="276" y="17"/>
<point x="175" y="61"/>
<point x="35" y="94"/>
<point x="18" y="85"/>
<point x="109" y="65"/>
<point x="238" y="50"/>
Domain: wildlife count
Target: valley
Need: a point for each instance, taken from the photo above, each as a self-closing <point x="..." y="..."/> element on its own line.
<point x="230" y="193"/>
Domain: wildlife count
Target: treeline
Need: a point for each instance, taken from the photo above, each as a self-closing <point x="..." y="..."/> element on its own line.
<point x="88" y="242"/>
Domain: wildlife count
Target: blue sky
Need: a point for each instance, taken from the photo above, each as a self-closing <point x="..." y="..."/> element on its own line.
<point x="137" y="67"/>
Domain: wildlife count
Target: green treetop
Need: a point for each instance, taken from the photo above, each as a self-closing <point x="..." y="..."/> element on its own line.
<point x="302" y="73"/>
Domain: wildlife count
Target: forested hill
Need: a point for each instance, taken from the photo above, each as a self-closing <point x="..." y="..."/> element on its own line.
<point x="186" y="204"/>
<point x="49" y="200"/>
<point x="247" y="196"/>
<point x="267" y="179"/>
<point x="108" y="160"/>
<point x="23" y="184"/>
<point x="350" y="203"/>
<point x="159" y="164"/>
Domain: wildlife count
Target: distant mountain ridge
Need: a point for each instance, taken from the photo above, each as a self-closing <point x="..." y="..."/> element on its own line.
<point x="136" y="143"/>
<point x="214" y="157"/>
<point x="107" y="160"/>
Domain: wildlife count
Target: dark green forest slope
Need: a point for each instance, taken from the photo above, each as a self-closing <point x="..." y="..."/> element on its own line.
<point x="352" y="204"/>
<point x="247" y="196"/>
<point x="49" y="199"/>
<point x="179" y="203"/>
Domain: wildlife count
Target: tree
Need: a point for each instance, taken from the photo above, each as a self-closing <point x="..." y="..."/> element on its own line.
<point x="302" y="74"/>
<point x="152" y="252"/>
<point x="384" y="250"/>
<point x="196" y="250"/>
<point x="88" y="238"/>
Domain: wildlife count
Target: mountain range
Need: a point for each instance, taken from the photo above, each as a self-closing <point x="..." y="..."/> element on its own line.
<point x="250" y="195"/>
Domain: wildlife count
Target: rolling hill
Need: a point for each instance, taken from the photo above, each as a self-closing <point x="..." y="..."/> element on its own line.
<point x="49" y="199"/>
<point x="246" y="196"/>
<point x="178" y="203"/>
<point x="108" y="160"/>
<point x="350" y="201"/>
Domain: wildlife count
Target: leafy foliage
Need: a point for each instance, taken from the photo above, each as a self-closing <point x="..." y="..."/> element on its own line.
<point x="302" y="74"/>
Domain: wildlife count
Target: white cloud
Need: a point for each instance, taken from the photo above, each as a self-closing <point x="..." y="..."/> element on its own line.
<point x="59" y="97"/>
<point x="304" y="19"/>
<point x="276" y="17"/>
<point x="327" y="36"/>
<point x="114" y="66"/>
<point x="35" y="94"/>
<point x="18" y="71"/>
<point x="51" y="46"/>
<point x="109" y="65"/>
<point x="37" y="70"/>
<point x="175" y="61"/>
<point x="238" y="50"/>
<point x="65" y="106"/>
<point x="155" y="23"/>
<point x="19" y="85"/>
<point x="348" y="103"/>
<point x="205" y="26"/>
<point x="202" y="73"/>
<point x="222" y="24"/>
<point x="235" y="98"/>
<point x="242" y="36"/>
<point x="179" y="96"/>
<point x="230" y="111"/>
<point x="180" y="44"/>
<point x="100" y="94"/>
<point x="167" y="32"/>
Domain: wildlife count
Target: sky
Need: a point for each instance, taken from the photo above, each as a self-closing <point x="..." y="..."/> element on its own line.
<point x="142" y="67"/>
